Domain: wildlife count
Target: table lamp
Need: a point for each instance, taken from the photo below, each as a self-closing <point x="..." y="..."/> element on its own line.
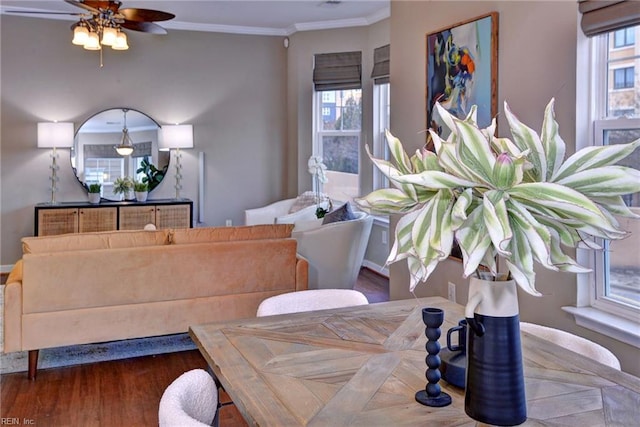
<point x="55" y="135"/>
<point x="176" y="136"/>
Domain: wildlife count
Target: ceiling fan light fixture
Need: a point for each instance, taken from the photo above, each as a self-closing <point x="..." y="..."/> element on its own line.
<point x="109" y="35"/>
<point x="80" y="35"/>
<point x="120" y="42"/>
<point x="93" y="41"/>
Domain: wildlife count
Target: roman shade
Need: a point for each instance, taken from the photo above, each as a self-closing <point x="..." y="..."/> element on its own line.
<point x="602" y="16"/>
<point x="381" y="57"/>
<point x="337" y="71"/>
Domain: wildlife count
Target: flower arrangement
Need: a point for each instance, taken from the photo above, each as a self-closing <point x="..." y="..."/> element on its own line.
<point x="517" y="199"/>
<point x="317" y="169"/>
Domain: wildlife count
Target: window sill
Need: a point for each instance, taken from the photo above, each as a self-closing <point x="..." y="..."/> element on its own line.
<point x="617" y="327"/>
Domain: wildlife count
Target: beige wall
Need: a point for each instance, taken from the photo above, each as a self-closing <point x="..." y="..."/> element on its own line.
<point x="537" y="57"/>
<point x="232" y="88"/>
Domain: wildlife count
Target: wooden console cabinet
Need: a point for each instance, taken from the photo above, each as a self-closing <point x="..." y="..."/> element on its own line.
<point x="80" y="217"/>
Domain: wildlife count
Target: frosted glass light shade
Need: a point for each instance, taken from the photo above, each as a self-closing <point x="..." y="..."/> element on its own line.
<point x="175" y="136"/>
<point x="80" y="35"/>
<point x="121" y="42"/>
<point x="109" y="35"/>
<point x="55" y="135"/>
<point x="93" y="42"/>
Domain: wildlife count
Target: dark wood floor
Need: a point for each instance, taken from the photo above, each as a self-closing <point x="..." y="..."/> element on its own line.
<point x="119" y="393"/>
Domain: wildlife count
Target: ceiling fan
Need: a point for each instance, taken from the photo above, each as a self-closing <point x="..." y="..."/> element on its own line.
<point x="102" y="22"/>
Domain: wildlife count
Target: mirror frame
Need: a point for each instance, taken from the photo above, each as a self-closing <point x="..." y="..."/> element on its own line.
<point x="154" y="175"/>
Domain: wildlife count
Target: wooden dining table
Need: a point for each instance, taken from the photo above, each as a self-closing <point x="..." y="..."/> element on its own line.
<point x="361" y="366"/>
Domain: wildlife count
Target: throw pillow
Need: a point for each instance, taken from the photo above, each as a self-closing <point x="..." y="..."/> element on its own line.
<point x="307" y="198"/>
<point x="343" y="213"/>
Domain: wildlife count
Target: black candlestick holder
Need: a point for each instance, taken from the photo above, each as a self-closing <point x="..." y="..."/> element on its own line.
<point x="432" y="395"/>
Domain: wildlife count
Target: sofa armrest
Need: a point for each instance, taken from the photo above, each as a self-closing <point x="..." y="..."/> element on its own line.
<point x="267" y="214"/>
<point x="302" y="273"/>
<point x="12" y="317"/>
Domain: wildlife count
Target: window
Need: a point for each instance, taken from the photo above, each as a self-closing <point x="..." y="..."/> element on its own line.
<point x="103" y="171"/>
<point x="615" y="282"/>
<point x="624" y="37"/>
<point x="337" y="130"/>
<point x="381" y="121"/>
<point x="623" y="78"/>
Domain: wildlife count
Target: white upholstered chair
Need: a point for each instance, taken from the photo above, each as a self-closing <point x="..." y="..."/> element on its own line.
<point x="309" y="300"/>
<point x="335" y="251"/>
<point x="191" y="400"/>
<point x="278" y="213"/>
<point x="574" y="343"/>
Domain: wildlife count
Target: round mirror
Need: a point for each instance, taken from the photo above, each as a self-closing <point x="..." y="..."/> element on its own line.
<point x="95" y="160"/>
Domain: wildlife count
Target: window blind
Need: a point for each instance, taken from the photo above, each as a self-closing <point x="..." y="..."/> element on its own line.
<point x="337" y="71"/>
<point x="602" y="16"/>
<point x="381" y="57"/>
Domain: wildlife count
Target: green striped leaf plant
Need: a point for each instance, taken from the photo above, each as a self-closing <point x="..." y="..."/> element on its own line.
<point x="518" y="199"/>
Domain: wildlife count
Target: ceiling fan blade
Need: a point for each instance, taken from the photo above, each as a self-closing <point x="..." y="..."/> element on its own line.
<point x="145" y="15"/>
<point x="83" y="5"/>
<point x="45" y="13"/>
<point x="145" y="27"/>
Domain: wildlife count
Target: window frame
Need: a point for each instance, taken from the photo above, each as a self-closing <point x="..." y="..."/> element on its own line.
<point x="610" y="319"/>
<point x="381" y="122"/>
<point x="319" y="133"/>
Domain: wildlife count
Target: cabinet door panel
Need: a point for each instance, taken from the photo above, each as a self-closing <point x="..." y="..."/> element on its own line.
<point x="173" y="216"/>
<point x="136" y="217"/>
<point x="57" y="221"/>
<point x="98" y="219"/>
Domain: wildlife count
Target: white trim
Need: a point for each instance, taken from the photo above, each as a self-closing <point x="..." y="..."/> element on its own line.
<point x="377" y="268"/>
<point x="6" y="268"/>
<point x="230" y="29"/>
<point x="608" y="324"/>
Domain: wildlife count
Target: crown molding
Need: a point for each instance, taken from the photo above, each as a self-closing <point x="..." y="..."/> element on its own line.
<point x="231" y="29"/>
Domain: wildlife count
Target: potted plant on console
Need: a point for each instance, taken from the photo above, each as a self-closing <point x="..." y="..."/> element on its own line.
<point x="94" y="193"/>
<point x="141" y="189"/>
<point x="124" y="186"/>
<point x="506" y="203"/>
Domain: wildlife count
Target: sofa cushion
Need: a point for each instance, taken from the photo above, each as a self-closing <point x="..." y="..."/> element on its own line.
<point x="16" y="273"/>
<point x="91" y="241"/>
<point x="343" y="213"/>
<point x="222" y="234"/>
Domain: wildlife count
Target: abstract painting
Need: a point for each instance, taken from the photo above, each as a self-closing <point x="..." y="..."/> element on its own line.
<point x="462" y="70"/>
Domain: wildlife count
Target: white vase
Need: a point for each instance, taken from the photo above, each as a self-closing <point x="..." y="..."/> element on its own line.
<point x="494" y="389"/>
<point x="94" y="198"/>
<point x="141" y="196"/>
<point x="129" y="195"/>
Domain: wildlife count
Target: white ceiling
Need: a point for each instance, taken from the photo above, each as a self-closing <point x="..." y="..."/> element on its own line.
<point x="259" y="17"/>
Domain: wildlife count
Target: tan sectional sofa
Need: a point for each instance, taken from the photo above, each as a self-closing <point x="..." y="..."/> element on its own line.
<point x="97" y="287"/>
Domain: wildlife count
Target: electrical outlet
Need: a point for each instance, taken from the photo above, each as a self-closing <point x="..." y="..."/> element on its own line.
<point x="228" y="223"/>
<point x="385" y="237"/>
<point x="451" y="293"/>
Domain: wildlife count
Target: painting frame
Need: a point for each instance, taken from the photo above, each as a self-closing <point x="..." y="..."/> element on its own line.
<point x="462" y="70"/>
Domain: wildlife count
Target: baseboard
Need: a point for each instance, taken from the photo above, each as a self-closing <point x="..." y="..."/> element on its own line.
<point x="375" y="267"/>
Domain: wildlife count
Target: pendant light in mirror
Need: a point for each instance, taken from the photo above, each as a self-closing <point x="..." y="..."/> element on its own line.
<point x="125" y="148"/>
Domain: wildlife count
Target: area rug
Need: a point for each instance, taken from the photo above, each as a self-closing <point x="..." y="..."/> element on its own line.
<point x="92" y="353"/>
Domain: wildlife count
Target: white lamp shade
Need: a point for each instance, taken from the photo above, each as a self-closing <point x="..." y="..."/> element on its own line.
<point x="55" y="135"/>
<point x="175" y="136"/>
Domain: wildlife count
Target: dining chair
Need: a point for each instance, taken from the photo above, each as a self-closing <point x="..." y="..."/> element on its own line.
<point x="309" y="300"/>
<point x="573" y="342"/>
<point x="191" y="400"/>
